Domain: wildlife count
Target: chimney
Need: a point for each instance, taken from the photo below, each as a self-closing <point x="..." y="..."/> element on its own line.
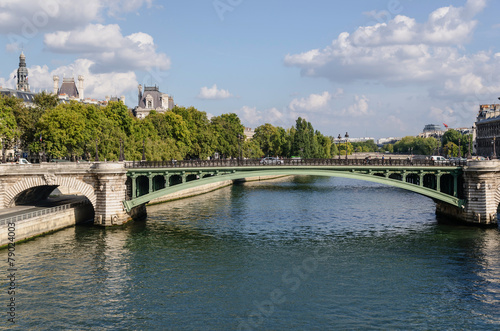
<point x="80" y="87"/>
<point x="56" y="84"/>
<point x="140" y="94"/>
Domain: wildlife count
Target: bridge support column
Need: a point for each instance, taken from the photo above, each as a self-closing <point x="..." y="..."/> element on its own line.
<point x="438" y="181"/>
<point x="150" y="177"/>
<point x="110" y="190"/>
<point x="482" y="194"/>
<point x="134" y="186"/>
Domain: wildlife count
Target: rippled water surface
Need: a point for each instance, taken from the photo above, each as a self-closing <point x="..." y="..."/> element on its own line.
<point x="301" y="253"/>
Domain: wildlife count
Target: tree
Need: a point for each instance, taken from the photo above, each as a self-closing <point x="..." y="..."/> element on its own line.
<point x="202" y="137"/>
<point x="8" y="124"/>
<point x="226" y="128"/>
<point x="64" y="130"/>
<point x="250" y="149"/>
<point x="324" y="146"/>
<point x="264" y="136"/>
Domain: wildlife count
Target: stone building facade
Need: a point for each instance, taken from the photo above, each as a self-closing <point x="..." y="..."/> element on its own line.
<point x="152" y="99"/>
<point x="488" y="130"/>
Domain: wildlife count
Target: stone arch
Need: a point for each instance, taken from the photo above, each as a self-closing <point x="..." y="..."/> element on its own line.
<point x="49" y="180"/>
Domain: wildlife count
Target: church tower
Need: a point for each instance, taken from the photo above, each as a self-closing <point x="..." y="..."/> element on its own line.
<point x="22" y="75"/>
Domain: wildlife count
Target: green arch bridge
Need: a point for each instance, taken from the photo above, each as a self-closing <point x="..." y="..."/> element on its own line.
<point x="442" y="182"/>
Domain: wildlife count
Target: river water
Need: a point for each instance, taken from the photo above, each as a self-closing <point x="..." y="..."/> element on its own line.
<point x="300" y="253"/>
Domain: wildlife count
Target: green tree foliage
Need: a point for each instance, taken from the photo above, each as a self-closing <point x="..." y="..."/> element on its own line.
<point x="250" y="149"/>
<point x="63" y="128"/>
<point x="8" y="124"/>
<point x="226" y="128"/>
<point x="305" y="141"/>
<point x="200" y="130"/>
<point x="264" y="136"/>
<point x="342" y="146"/>
<point x="365" y="146"/>
<point x="416" y="145"/>
<point x="333" y="147"/>
<point x="450" y="149"/>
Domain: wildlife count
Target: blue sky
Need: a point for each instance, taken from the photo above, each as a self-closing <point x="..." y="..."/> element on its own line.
<point x="370" y="67"/>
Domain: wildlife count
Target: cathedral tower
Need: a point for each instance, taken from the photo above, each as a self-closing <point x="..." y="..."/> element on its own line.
<point x="22" y="75"/>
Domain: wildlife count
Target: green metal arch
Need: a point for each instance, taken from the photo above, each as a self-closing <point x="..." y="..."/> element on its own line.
<point x="273" y="171"/>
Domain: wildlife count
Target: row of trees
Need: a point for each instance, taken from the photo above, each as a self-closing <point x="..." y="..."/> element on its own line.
<point x="452" y="144"/>
<point x="73" y="130"/>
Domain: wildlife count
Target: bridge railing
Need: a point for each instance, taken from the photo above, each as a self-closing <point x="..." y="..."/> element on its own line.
<point x="290" y="162"/>
<point x="42" y="212"/>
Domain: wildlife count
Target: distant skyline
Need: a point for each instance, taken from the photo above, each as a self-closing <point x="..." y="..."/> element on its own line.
<point x="369" y="67"/>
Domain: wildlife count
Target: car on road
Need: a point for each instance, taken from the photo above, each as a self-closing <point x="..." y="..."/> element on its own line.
<point x="23" y="161"/>
<point x="271" y="161"/>
<point x="438" y="159"/>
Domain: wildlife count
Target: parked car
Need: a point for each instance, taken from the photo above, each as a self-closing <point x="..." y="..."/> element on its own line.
<point x="438" y="159"/>
<point x="271" y="160"/>
<point x="23" y="161"/>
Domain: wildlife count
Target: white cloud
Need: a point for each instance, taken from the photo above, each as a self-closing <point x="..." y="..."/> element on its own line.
<point x="313" y="102"/>
<point x="401" y="51"/>
<point x="250" y="115"/>
<point x="359" y="108"/>
<point x="109" y="49"/>
<point x="253" y="117"/>
<point x="29" y="17"/>
<point x="213" y="93"/>
<point x="444" y="115"/>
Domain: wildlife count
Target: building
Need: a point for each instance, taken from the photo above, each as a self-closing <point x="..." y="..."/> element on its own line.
<point x="152" y="99"/>
<point x="487" y="130"/>
<point x="22" y="90"/>
<point x="388" y="140"/>
<point x="249" y="133"/>
<point x="68" y="90"/>
<point x="22" y="75"/>
<point x="432" y="130"/>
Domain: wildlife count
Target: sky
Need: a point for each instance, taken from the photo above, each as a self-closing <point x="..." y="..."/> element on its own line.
<point x="372" y="68"/>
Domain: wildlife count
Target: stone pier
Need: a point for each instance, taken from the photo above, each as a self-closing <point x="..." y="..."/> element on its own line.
<point x="482" y="195"/>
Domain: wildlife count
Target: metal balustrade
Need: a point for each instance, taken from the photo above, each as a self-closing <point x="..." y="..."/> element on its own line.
<point x="292" y="162"/>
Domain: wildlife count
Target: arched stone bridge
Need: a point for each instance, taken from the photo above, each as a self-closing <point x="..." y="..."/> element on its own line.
<point x="118" y="191"/>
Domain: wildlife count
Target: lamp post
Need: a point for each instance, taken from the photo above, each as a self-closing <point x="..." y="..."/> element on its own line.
<point x="470" y="143"/>
<point x="339" y="138"/>
<point x="96" y="151"/>
<point x="494" y="150"/>
<point x="121" y="158"/>
<point x="44" y="157"/>
<point x="346" y="139"/>
<point x="459" y="149"/>
<point x="240" y="138"/>
<point x="143" y="150"/>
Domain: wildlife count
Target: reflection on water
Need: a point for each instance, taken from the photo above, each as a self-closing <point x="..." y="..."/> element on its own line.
<point x="297" y="253"/>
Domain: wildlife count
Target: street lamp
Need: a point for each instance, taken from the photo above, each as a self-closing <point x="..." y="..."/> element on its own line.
<point x="339" y="138"/>
<point x="346" y="138"/>
<point x="470" y="143"/>
<point x="459" y="149"/>
<point x="143" y="150"/>
<point x="96" y="151"/>
<point x="239" y="147"/>
<point x="121" y="158"/>
<point x="494" y="150"/>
